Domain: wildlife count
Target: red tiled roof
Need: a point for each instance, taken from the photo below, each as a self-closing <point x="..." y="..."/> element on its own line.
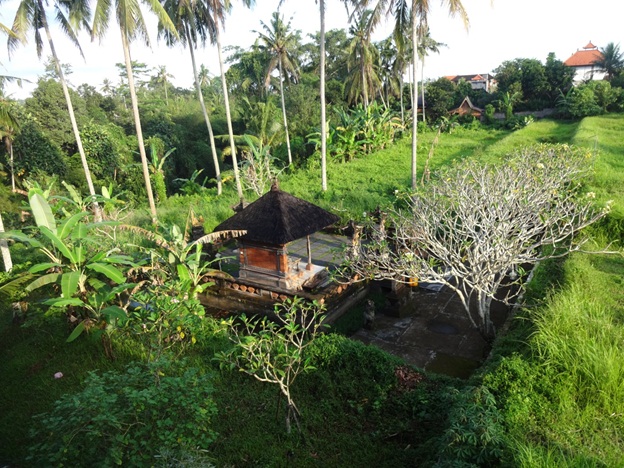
<point x="585" y="57"/>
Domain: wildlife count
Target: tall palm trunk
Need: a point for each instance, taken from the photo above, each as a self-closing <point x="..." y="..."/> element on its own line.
<point x="137" y="125"/>
<point x="228" y="116"/>
<point x="200" y="95"/>
<point x="364" y="86"/>
<point x="284" y="110"/>
<point x="9" y="145"/>
<point x="422" y="87"/>
<point x="322" y="95"/>
<point x="72" y="117"/>
<point x="414" y="99"/>
<point x="4" y="248"/>
<point x="401" y="97"/>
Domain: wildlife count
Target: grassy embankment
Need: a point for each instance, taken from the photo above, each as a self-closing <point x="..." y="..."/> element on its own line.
<point x="558" y="375"/>
<point x="553" y="390"/>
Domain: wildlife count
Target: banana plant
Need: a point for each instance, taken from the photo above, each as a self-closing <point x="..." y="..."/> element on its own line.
<point x="90" y="281"/>
<point x="178" y="260"/>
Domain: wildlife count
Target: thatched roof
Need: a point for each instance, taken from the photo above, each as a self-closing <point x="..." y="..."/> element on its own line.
<point x="278" y="218"/>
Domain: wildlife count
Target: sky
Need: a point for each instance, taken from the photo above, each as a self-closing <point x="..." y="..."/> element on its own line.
<point x="499" y="30"/>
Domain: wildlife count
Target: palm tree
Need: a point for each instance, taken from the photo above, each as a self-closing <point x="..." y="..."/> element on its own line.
<point x="612" y="61"/>
<point x="321" y="4"/>
<point x="31" y="14"/>
<point x="131" y="25"/>
<point x="162" y="78"/>
<point x="216" y="11"/>
<point x="409" y="14"/>
<point x="279" y="42"/>
<point x="363" y="57"/>
<point x="427" y="44"/>
<point x="7" y="121"/>
<point x="8" y="128"/>
<point x="4" y="249"/>
<point x="193" y="21"/>
<point x="107" y="87"/>
<point x="203" y="76"/>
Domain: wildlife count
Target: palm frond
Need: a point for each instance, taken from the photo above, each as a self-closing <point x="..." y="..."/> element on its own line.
<point x="219" y="235"/>
<point x="67" y="28"/>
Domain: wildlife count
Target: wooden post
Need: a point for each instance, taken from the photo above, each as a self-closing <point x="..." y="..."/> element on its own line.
<point x="309" y="265"/>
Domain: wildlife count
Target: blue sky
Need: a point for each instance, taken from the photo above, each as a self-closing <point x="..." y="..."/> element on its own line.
<point x="499" y="30"/>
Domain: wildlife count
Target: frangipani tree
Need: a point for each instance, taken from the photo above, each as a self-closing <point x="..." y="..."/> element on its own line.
<point x="478" y="226"/>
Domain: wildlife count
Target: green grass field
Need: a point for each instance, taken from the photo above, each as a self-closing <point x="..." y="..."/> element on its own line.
<point x="551" y="394"/>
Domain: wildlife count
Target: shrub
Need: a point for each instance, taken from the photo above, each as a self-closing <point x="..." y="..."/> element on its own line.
<point x="476" y="431"/>
<point x="128" y="418"/>
<point x="361" y="375"/>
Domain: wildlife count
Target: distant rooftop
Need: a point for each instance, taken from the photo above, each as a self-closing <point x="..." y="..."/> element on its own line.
<point x="585" y="57"/>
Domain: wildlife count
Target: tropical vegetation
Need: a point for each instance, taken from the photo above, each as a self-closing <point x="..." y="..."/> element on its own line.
<point x="107" y="353"/>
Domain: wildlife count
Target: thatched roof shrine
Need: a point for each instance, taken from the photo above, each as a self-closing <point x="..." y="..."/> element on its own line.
<point x="278" y="218"/>
<point x="273" y="221"/>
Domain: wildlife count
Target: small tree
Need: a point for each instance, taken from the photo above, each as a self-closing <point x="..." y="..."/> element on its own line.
<point x="273" y="351"/>
<point x="479" y="226"/>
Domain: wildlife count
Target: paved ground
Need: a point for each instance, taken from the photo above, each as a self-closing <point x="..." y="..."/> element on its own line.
<point x="431" y="330"/>
<point x="326" y="249"/>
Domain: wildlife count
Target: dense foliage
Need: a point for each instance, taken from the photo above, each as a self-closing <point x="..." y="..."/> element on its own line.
<point x="108" y="356"/>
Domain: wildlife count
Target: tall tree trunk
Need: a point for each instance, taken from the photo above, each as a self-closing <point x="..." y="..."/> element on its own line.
<point x="401" y="83"/>
<point x="137" y="125"/>
<point x="4" y="248"/>
<point x="9" y="146"/>
<point x="228" y="116"/>
<point x="284" y="111"/>
<point x="200" y="95"/>
<point x="322" y="95"/>
<point x="364" y="88"/>
<point x="72" y="117"/>
<point x="422" y="87"/>
<point x="414" y="100"/>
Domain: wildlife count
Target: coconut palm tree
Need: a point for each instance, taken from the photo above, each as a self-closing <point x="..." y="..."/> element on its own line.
<point x="426" y="44"/>
<point x="408" y="14"/>
<point x="131" y="26"/>
<point x="193" y="23"/>
<point x="8" y="128"/>
<point x="321" y="4"/>
<point x="162" y="78"/>
<point x="7" y="121"/>
<point x="612" y="61"/>
<point x="107" y="87"/>
<point x="362" y="60"/>
<point x="203" y="76"/>
<point x="216" y="11"/>
<point x="279" y="42"/>
<point x="31" y="14"/>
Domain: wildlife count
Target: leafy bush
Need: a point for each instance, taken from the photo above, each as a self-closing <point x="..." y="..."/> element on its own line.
<point x="127" y="418"/>
<point x="361" y="375"/>
<point x="476" y="431"/>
